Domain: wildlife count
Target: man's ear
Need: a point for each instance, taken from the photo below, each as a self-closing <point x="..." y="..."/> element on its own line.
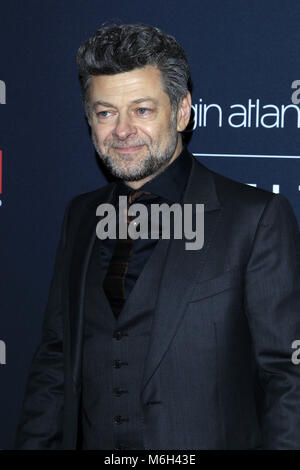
<point x="184" y="112"/>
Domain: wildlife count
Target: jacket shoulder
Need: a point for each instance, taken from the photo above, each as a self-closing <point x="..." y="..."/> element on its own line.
<point x="230" y="191"/>
<point x="82" y="204"/>
<point x="83" y="199"/>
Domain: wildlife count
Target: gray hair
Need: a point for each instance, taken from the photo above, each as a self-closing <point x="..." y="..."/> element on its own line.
<point x="121" y="48"/>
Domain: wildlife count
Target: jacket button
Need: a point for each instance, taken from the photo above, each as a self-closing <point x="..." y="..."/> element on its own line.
<point x="119" y="419"/>
<point x="118" y="391"/>
<point x="117" y="364"/>
<point x="118" y="335"/>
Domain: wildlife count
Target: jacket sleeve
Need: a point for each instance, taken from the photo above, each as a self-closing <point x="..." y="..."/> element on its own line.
<point x="41" y="417"/>
<point x="272" y="302"/>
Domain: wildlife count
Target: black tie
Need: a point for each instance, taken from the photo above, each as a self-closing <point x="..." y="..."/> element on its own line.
<point x="114" y="282"/>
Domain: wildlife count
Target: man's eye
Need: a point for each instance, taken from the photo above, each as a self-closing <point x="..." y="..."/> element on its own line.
<point x="103" y="114"/>
<point x="143" y="111"/>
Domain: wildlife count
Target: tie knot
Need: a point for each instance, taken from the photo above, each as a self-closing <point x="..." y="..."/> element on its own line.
<point x="135" y="194"/>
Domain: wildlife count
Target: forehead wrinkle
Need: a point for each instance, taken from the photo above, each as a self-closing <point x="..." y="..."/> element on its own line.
<point x="137" y="101"/>
<point x="126" y="87"/>
<point x="128" y="92"/>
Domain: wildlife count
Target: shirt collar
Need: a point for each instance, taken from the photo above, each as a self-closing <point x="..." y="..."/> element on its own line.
<point x="170" y="183"/>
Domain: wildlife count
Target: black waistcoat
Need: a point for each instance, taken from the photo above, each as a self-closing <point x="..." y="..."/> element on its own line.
<point x="114" y="352"/>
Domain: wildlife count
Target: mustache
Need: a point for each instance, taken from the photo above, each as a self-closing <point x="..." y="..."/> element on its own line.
<point x="115" y="144"/>
<point x="127" y="146"/>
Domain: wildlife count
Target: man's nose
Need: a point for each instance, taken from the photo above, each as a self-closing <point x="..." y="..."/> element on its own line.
<point x="124" y="127"/>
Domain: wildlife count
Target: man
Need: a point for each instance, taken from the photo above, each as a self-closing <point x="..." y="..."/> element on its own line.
<point x="148" y="345"/>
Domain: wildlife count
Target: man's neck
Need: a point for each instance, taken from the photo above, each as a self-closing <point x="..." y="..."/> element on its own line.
<point x="139" y="183"/>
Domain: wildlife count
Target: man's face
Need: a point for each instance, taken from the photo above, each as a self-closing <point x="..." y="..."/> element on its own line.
<point x="133" y="128"/>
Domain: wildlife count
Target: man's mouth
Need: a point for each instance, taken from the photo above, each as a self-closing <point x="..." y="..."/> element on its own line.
<point x="129" y="149"/>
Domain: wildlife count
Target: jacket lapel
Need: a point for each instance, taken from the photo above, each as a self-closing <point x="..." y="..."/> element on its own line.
<point x="84" y="241"/>
<point x="181" y="268"/>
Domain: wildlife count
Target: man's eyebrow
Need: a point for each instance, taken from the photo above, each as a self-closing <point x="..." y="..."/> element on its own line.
<point x="147" y="98"/>
<point x="139" y="100"/>
<point x="102" y="103"/>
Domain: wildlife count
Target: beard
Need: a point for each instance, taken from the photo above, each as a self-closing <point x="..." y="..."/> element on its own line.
<point x="128" y="169"/>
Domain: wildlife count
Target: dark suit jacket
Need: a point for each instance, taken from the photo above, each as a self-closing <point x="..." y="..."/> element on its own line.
<point x="220" y="349"/>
